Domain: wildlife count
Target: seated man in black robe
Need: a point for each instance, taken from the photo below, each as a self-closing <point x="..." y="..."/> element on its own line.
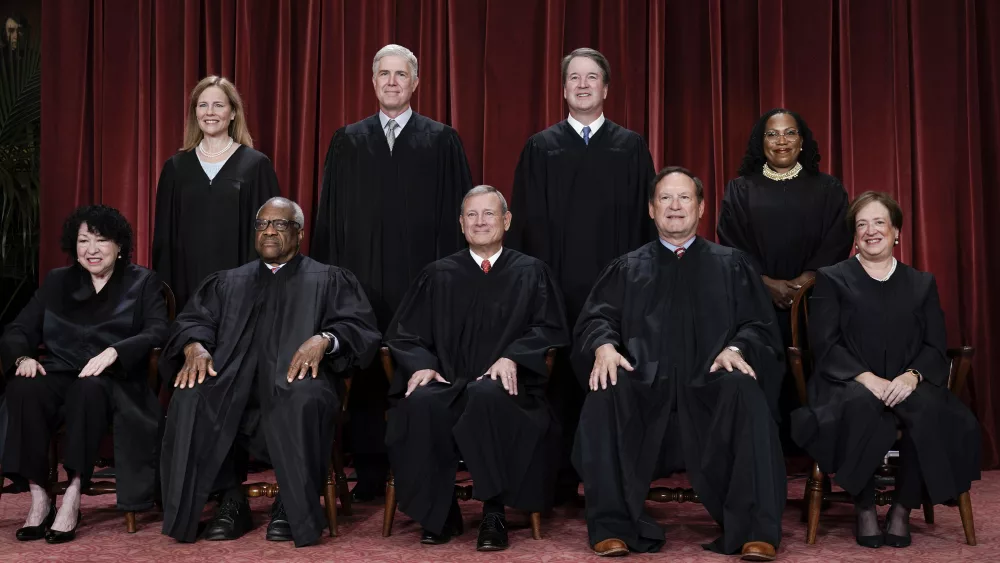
<point x="469" y="342"/>
<point x="270" y="335"/>
<point x="681" y="355"/>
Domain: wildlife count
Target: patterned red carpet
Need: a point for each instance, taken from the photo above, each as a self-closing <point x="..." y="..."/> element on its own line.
<point x="102" y="536"/>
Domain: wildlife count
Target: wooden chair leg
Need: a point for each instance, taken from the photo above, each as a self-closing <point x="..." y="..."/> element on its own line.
<point x="965" y="511"/>
<point x="815" y="490"/>
<point x="928" y="512"/>
<point x="343" y="490"/>
<point x="536" y="525"/>
<point x="130" y="522"/>
<point x="390" y="507"/>
<point x="330" y="499"/>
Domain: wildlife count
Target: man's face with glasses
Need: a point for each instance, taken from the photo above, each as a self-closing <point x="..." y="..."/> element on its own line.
<point x="278" y="235"/>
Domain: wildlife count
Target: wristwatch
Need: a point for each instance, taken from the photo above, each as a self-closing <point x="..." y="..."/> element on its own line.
<point x="330" y="338"/>
<point x="735" y="349"/>
<point x="17" y="362"/>
<point x="920" y="377"/>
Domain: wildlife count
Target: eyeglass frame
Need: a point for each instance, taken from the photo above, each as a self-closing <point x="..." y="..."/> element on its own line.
<point x="269" y="222"/>
<point x="771" y="136"/>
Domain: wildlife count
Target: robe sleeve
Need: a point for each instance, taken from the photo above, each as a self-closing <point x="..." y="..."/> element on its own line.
<point x="198" y="322"/>
<point x="756" y="329"/>
<point x="546" y="330"/>
<point x="324" y="243"/>
<point x="600" y="319"/>
<point x="529" y="229"/>
<point x="410" y="336"/>
<point x="831" y="358"/>
<point x="932" y="361"/>
<point x="133" y="352"/>
<point x="734" y="228"/>
<point x="23" y="335"/>
<point x="350" y="318"/>
<point x="644" y="175"/>
<point x="456" y="181"/>
<point x="835" y="244"/>
<point x="163" y="223"/>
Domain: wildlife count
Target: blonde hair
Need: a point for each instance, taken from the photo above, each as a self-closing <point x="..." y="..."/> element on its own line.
<point x="237" y="126"/>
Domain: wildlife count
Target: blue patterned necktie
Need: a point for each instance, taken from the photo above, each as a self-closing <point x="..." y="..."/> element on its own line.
<point x="586" y="134"/>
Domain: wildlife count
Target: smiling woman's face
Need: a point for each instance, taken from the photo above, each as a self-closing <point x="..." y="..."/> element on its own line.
<point x="782" y="142"/>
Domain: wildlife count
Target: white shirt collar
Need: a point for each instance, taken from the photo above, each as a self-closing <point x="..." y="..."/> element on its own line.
<point x="674" y="247"/>
<point x="273" y="266"/>
<point x="479" y="260"/>
<point x="401" y="121"/>
<point x="578" y="127"/>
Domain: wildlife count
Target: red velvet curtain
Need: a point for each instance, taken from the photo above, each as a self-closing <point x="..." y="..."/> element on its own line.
<point x="902" y="96"/>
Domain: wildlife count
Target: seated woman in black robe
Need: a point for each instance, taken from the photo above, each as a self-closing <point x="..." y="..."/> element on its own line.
<point x="878" y="338"/>
<point x="787" y="216"/>
<point x="98" y="319"/>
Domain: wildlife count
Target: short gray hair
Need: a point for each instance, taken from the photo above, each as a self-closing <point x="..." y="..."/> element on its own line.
<point x="395" y="50"/>
<point x="484" y="189"/>
<point x="297" y="215"/>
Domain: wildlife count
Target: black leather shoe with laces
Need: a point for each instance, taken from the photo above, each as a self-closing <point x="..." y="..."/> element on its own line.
<point x="230" y="522"/>
<point x="278" y="529"/>
<point x="492" y="533"/>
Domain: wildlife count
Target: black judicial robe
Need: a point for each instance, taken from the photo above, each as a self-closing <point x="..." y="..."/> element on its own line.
<point x="859" y="324"/>
<point x="75" y="323"/>
<point x="458" y="321"/>
<point x="384" y="216"/>
<point x="253" y="322"/>
<point x="577" y="206"/>
<point x="203" y="226"/>
<point x="671" y="318"/>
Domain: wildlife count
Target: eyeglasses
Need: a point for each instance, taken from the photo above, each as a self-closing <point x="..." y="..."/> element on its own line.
<point x="772" y="136"/>
<point x="280" y="225"/>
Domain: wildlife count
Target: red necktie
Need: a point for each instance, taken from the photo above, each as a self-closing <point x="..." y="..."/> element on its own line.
<point x="680" y="252"/>
<point x="274" y="270"/>
<point x="486" y="266"/>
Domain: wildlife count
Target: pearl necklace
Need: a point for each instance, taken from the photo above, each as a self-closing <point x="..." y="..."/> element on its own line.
<point x="892" y="270"/>
<point x="780" y="176"/>
<point x="207" y="154"/>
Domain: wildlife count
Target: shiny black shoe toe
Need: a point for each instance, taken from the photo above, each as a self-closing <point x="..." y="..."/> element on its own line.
<point x="493" y="533"/>
<point x="278" y="529"/>
<point x="430" y="538"/>
<point x="33" y="533"/>
<point x="55" y="536"/>
<point x="230" y="522"/>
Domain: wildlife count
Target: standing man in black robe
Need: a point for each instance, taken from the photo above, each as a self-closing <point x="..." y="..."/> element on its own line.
<point x="270" y="335"/>
<point x="469" y="341"/>
<point x="392" y="187"/>
<point x="579" y="201"/>
<point x="679" y="350"/>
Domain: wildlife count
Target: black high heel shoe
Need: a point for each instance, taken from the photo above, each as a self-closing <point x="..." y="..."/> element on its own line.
<point x="893" y="540"/>
<point x="873" y="542"/>
<point x="32" y="533"/>
<point x="55" y="536"/>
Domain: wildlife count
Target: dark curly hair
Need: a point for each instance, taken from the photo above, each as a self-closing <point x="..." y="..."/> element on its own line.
<point x="101" y="220"/>
<point x="754" y="159"/>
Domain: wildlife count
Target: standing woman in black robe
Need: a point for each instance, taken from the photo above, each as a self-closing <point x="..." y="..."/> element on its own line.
<point x="99" y="319"/>
<point x="787" y="216"/>
<point x="878" y="339"/>
<point x="208" y="192"/>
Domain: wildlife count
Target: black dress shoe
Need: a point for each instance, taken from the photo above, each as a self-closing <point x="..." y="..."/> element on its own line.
<point x="278" y="529"/>
<point x="230" y="522"/>
<point x="32" y="533"/>
<point x="55" y="536"/>
<point x="452" y="527"/>
<point x="493" y="533"/>
<point x="893" y="540"/>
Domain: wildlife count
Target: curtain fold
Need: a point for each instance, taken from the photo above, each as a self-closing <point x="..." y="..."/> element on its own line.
<point x="903" y="97"/>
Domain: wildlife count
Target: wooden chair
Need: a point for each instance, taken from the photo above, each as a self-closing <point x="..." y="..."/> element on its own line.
<point x="462" y="492"/>
<point x="818" y="491"/>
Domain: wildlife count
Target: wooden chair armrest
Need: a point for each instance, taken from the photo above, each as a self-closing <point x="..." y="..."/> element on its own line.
<point x="961" y="363"/>
<point x="796" y="363"/>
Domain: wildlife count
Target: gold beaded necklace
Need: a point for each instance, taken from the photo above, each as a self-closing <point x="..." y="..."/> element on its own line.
<point x="780" y="176"/>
